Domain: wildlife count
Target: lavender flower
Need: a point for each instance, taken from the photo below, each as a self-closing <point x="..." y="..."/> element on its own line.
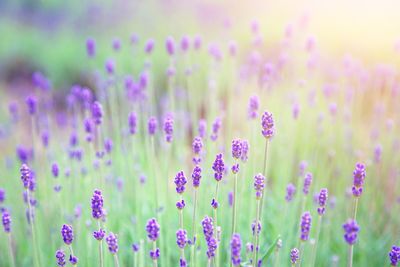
<point x="267" y="123"/>
<point x="378" y="153"/>
<point x="181" y="238"/>
<point x="91" y="47"/>
<point x="73" y="259"/>
<point x="305" y="226"/>
<point x="245" y="150"/>
<point x="153" y="229"/>
<point x="135" y="247"/>
<point x="97" y="205"/>
<point x="322" y="198"/>
<point x="112" y="242"/>
<point x="180" y="181"/>
<point x="290" y="192"/>
<point x="180" y="204"/>
<point x="196" y="176"/>
<point x="2" y="195"/>
<point x="31" y="102"/>
<point x="97" y="112"/>
<point x="54" y="170"/>
<point x="185" y="42"/>
<point x="256" y="227"/>
<point x="215" y="129"/>
<point x="168" y="128"/>
<point x="236" y="148"/>
<point x="152" y="125"/>
<point x="359" y="177"/>
<point x="6" y="220"/>
<point x="155" y="254"/>
<point x="132" y="121"/>
<point x="60" y="256"/>
<point x="149" y="46"/>
<point x="116" y="44"/>
<point x="110" y="66"/>
<point x="259" y="181"/>
<point x="218" y="167"/>
<point x="170" y="45"/>
<point x="67" y="234"/>
<point x="45" y="138"/>
<point x="236" y="245"/>
<point x="294" y="256"/>
<point x="197" y="145"/>
<point x="208" y="228"/>
<point x="202" y="128"/>
<point x="307" y="183"/>
<point x="253" y="107"/>
<point x="351" y="229"/>
<point x="99" y="235"/>
<point x="394" y="256"/>
<point x="108" y="145"/>
<point x="26" y="175"/>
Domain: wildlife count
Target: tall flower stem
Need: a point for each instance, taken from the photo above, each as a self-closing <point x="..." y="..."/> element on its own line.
<point x="72" y="252"/>
<point x="116" y="263"/>
<point x="216" y="226"/>
<point x="351" y="248"/>
<point x="155" y="264"/>
<point x="234" y="208"/>
<point x="255" y="235"/>
<point x="100" y="247"/>
<point x="276" y="258"/>
<point x="12" y="259"/>
<point x="35" y="252"/>
<point x="193" y="254"/>
<point x="314" y="254"/>
<point x="301" y="253"/>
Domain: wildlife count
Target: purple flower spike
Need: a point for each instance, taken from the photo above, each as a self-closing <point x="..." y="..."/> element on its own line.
<point x="359" y="177"/>
<point x="235" y="168"/>
<point x="97" y="112"/>
<point x="155" y="254"/>
<point x="208" y="230"/>
<point x="197" y="145"/>
<point x="108" y="145"/>
<point x="26" y="175"/>
<point x="54" y="170"/>
<point x="259" y="183"/>
<point x="351" y="229"/>
<point x="91" y="47"/>
<point x="170" y="45"/>
<point x="152" y="229"/>
<point x="253" y="107"/>
<point x="196" y="176"/>
<point x="97" y="205"/>
<point x="168" y="128"/>
<point x="149" y="46"/>
<point x="116" y="44"/>
<point x="132" y="121"/>
<point x="245" y="150"/>
<point x="73" y="260"/>
<point x="45" y="136"/>
<point x="215" y="129"/>
<point x="6" y="220"/>
<point x="60" y="256"/>
<point x="112" y="242"/>
<point x="305" y="226"/>
<point x="181" y="238"/>
<point x="294" y="256"/>
<point x="180" y="181"/>
<point x="31" y="102"/>
<point x="197" y="42"/>
<point x="218" y="167"/>
<point x="253" y="227"/>
<point x="152" y="125"/>
<point x="267" y="123"/>
<point x="67" y="234"/>
<point x="99" y="235"/>
<point x="2" y="195"/>
<point x="236" y="148"/>
<point x="236" y="246"/>
<point x="202" y="128"/>
<point x="307" y="183"/>
<point x="378" y="153"/>
<point x="110" y="66"/>
<point x="394" y="256"/>
<point x="322" y="198"/>
<point x="180" y="204"/>
<point x="135" y="247"/>
<point x="290" y="192"/>
<point x="185" y="42"/>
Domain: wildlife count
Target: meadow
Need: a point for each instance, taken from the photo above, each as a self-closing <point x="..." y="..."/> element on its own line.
<point x="178" y="150"/>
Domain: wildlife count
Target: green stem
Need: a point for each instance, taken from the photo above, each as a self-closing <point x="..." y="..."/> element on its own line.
<point x="12" y="259"/>
<point x="116" y="263"/>
<point x="314" y="254"/>
<point x="255" y="235"/>
<point x="36" y="257"/>
<point x="301" y="253"/>
<point x="100" y="247"/>
<point x="72" y="252"/>
<point x="154" y="249"/>
<point x="351" y="248"/>
<point x="216" y="226"/>
<point x="234" y="204"/>
<point x="193" y="254"/>
<point x="276" y="257"/>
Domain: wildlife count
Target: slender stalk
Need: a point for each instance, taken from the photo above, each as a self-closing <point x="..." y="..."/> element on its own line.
<point x="255" y="235"/>
<point x="314" y="254"/>
<point x="72" y="252"/>
<point x="154" y="249"/>
<point x="12" y="259"/>
<point x="276" y="258"/>
<point x="31" y="223"/>
<point x="215" y="226"/>
<point x="301" y="250"/>
<point x="351" y="248"/>
<point x="100" y="247"/>
<point x="193" y="254"/>
<point x="116" y="262"/>
<point x="234" y="208"/>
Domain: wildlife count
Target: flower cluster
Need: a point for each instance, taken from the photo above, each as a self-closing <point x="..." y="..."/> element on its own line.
<point x="359" y="177"/>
